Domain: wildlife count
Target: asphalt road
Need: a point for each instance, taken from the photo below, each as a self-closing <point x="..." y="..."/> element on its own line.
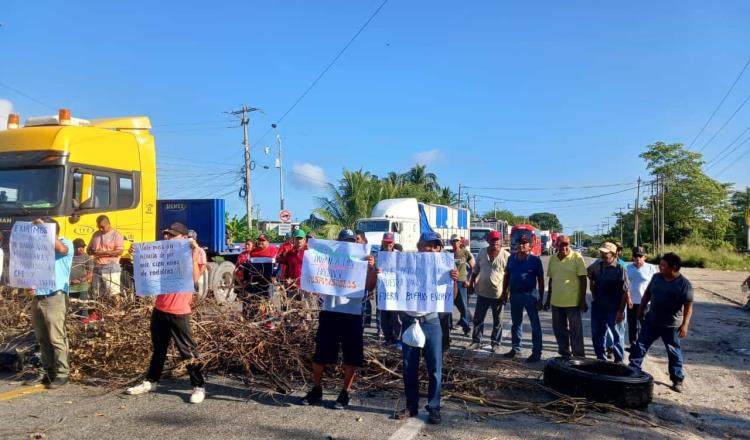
<point x="232" y="410"/>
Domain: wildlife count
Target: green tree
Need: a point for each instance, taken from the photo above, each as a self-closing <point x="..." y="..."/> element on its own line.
<point x="696" y="206"/>
<point x="237" y="228"/>
<point x="353" y="198"/>
<point x="740" y="217"/>
<point x="546" y="221"/>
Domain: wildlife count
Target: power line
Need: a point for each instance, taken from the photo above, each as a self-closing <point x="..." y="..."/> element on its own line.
<point x="721" y="156"/>
<point x="27" y="96"/>
<point x="710" y="118"/>
<point x="725" y="123"/>
<point x="325" y="70"/>
<point x="556" y="200"/>
<point x="500" y="188"/>
<point x="742" y="156"/>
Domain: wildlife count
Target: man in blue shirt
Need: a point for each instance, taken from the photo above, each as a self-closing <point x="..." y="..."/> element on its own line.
<point x="48" y="311"/>
<point x="524" y="279"/>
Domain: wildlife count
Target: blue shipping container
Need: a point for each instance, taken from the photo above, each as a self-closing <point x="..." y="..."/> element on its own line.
<point x="204" y="216"/>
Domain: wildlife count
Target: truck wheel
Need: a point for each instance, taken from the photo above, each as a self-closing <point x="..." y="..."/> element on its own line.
<point x="600" y="381"/>
<point x="202" y="286"/>
<point x="222" y="283"/>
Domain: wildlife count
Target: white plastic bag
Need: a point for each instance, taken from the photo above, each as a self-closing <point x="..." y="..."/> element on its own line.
<point x="414" y="336"/>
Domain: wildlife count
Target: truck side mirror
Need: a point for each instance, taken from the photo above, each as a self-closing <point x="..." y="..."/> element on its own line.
<point x="86" y="200"/>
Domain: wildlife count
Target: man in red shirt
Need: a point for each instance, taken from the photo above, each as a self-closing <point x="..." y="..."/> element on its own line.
<point x="170" y="319"/>
<point x="292" y="261"/>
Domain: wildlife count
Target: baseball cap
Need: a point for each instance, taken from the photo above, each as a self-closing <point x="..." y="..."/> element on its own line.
<point x="524" y="239"/>
<point x="299" y="233"/>
<point x="493" y="235"/>
<point x="608" y="247"/>
<point x="192" y="234"/>
<point x="430" y="237"/>
<point x="79" y="243"/>
<point x="388" y="237"/>
<point x="455" y="237"/>
<point x="176" y="228"/>
<point x="347" y="235"/>
<point x="639" y="251"/>
<point x="262" y="237"/>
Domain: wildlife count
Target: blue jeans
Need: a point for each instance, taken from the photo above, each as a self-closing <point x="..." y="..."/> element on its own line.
<point x="621" y="327"/>
<point x="518" y="303"/>
<point x="601" y="321"/>
<point x="669" y="335"/>
<point x="462" y="304"/>
<point x="433" y="357"/>
<point x="480" y="312"/>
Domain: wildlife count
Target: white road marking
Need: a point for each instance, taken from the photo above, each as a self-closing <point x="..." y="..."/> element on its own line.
<point x="409" y="429"/>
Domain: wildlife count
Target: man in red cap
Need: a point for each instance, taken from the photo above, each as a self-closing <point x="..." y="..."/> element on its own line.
<point x="390" y="323"/>
<point x="487" y="281"/>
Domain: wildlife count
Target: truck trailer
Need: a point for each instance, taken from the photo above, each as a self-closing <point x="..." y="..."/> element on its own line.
<point x="407" y="218"/>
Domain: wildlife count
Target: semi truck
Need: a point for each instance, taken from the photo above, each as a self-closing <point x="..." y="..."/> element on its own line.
<point x="407" y="218"/>
<point x="531" y="233"/>
<point x="74" y="170"/>
<point x="480" y="229"/>
<point x="546" y="238"/>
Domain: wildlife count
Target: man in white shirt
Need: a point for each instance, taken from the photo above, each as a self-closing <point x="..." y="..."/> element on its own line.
<point x="639" y="275"/>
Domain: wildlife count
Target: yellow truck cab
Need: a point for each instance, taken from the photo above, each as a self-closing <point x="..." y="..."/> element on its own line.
<point x="74" y="170"/>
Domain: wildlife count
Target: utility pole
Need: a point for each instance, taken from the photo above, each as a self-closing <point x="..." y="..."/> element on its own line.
<point x="635" y="213"/>
<point x="459" y="196"/>
<point x="622" y="220"/>
<point x="280" y="166"/>
<point x="663" y="224"/>
<point x="494" y="209"/>
<point x="245" y="122"/>
<point x="653" y="218"/>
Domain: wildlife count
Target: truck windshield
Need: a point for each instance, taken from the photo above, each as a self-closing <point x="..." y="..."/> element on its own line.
<point x="30" y="188"/>
<point x="373" y="225"/>
<point x="478" y="235"/>
<point x="517" y="236"/>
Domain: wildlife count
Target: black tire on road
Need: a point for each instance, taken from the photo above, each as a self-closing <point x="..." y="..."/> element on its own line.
<point x="600" y="381"/>
<point x="222" y="283"/>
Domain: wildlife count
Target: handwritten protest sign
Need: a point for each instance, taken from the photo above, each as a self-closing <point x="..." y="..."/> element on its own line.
<point x="32" y="256"/>
<point x="415" y="281"/>
<point x="164" y="266"/>
<point x="335" y="268"/>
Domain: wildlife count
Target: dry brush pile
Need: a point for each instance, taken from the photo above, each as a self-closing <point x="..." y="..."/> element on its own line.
<point x="116" y="351"/>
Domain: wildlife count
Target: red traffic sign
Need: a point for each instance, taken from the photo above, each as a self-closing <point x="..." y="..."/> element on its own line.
<point x="285" y="216"/>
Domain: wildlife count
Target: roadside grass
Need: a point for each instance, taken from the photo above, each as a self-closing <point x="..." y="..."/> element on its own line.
<point x="698" y="256"/>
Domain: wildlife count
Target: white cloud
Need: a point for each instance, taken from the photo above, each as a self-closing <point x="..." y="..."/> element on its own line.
<point x="307" y="176"/>
<point x="5" y="108"/>
<point x="428" y="157"/>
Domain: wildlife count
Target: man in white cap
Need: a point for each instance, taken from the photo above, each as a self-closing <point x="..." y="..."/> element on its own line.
<point x="610" y="291"/>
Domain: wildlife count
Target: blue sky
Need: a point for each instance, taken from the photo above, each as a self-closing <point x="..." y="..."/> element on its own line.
<point x="488" y="94"/>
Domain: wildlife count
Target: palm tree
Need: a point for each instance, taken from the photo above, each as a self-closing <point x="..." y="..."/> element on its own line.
<point x="419" y="176"/>
<point x="354" y="197"/>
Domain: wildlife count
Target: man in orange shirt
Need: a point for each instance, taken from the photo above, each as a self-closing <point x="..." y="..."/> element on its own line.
<point x="106" y="247"/>
<point x="171" y="320"/>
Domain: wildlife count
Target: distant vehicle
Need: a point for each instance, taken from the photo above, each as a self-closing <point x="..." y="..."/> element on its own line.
<point x="407" y="218"/>
<point x="480" y="229"/>
<point x="546" y="238"/>
<point x="531" y="233"/>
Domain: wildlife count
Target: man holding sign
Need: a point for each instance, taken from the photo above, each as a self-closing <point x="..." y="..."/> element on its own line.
<point x="50" y="304"/>
<point x="341" y="273"/>
<point x="420" y="285"/>
<point x="164" y="266"/>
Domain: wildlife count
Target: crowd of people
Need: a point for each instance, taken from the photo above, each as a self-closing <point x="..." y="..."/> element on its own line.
<point x="653" y="302"/>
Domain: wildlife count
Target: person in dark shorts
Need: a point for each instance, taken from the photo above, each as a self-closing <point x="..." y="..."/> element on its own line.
<point x="671" y="297"/>
<point x="340" y="328"/>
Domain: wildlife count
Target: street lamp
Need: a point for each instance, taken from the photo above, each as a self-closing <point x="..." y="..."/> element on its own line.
<point x="280" y="166"/>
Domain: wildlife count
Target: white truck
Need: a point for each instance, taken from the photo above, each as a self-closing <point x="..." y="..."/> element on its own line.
<point x="546" y="237"/>
<point x="407" y="218"/>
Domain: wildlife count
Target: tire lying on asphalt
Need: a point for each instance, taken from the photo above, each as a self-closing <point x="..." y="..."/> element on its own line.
<point x="600" y="381"/>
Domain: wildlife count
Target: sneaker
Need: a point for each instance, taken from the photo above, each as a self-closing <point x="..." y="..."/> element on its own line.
<point x="434" y="417"/>
<point x="474" y="346"/>
<point x="677" y="386"/>
<point x="57" y="382"/>
<point x="467" y="332"/>
<point x="143" y="388"/>
<point x="493" y="348"/>
<point x="342" y="401"/>
<point x="405" y="414"/>
<point x="314" y="396"/>
<point x="36" y="379"/>
<point x="533" y="358"/>
<point x="510" y="354"/>
<point x="199" y="394"/>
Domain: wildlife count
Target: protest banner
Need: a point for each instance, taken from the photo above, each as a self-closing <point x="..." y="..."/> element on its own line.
<point x="32" y="256"/>
<point x="164" y="266"/>
<point x="335" y="268"/>
<point x="415" y="281"/>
